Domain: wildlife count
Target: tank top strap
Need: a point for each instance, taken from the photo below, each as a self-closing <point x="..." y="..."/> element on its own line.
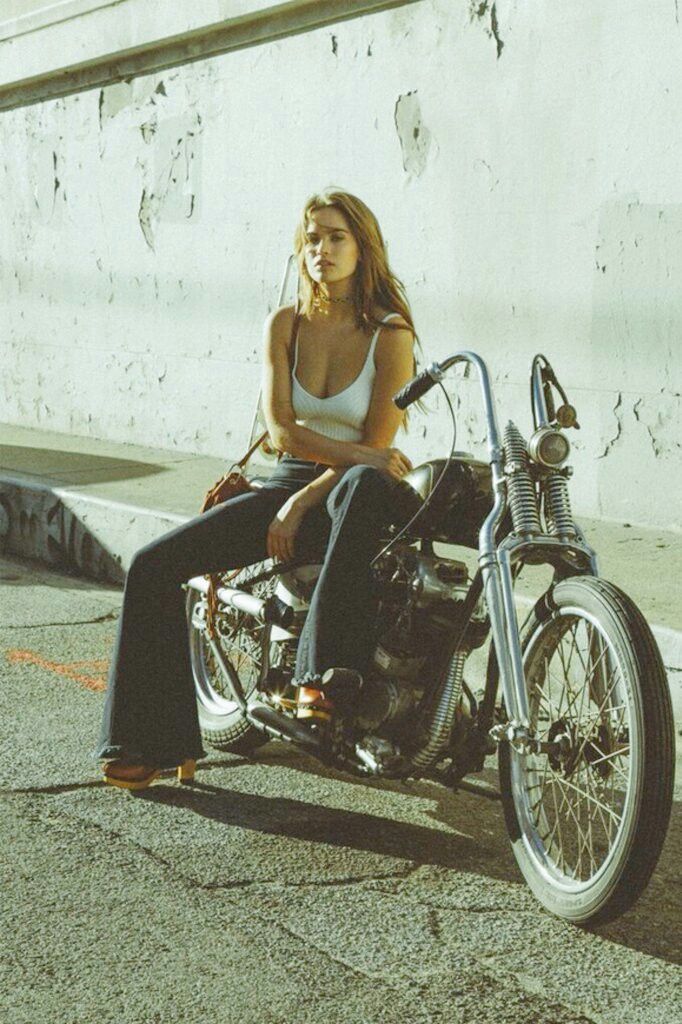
<point x="373" y="342"/>
<point x="295" y="331"/>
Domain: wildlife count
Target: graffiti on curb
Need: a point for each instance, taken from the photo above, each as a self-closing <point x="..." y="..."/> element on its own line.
<point x="37" y="524"/>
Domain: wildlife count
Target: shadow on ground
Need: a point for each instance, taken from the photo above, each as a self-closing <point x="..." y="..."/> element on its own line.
<point x="57" y="465"/>
<point x="476" y="841"/>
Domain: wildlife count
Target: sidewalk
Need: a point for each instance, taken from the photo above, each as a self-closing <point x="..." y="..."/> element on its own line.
<point x="87" y="506"/>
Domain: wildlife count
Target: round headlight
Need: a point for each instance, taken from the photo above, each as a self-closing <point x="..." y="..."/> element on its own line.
<point x="549" y="447"/>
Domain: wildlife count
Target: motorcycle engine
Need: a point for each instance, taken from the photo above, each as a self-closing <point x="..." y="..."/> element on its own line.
<point x="421" y="596"/>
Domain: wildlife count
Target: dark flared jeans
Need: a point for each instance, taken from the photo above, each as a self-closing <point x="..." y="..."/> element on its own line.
<point x="150" y="712"/>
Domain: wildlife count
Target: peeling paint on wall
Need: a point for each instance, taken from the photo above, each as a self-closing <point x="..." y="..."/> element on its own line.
<point x="145" y="215"/>
<point x="415" y="138"/>
<point x="172" y="175"/>
<point x="483" y="10"/>
<point x="660" y="415"/>
<point x="113" y="99"/>
<point x="618" y="414"/>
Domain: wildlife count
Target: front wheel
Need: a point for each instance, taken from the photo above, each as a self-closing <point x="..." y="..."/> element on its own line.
<point x="587" y="821"/>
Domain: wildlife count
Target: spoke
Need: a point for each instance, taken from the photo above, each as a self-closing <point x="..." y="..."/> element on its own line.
<point x="580" y="693"/>
<point x="606" y="823"/>
<point x="548" y="840"/>
<point x="562" y="859"/>
<point x="566" y="684"/>
<point x="595" y="717"/>
<point x="540" y="785"/>
<point x="590" y="839"/>
<point x="608" y="759"/>
<point x="600" y="712"/>
<point x="541" y="695"/>
<point x="570" y="785"/>
<point x="565" y="801"/>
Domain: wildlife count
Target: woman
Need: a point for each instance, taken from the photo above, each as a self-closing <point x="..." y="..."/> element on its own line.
<point x="331" y="367"/>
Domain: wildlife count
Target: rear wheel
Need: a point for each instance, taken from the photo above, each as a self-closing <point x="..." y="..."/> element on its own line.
<point x="245" y="645"/>
<point x="587" y="822"/>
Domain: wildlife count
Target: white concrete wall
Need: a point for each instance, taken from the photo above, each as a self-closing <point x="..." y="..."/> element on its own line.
<point x="524" y="161"/>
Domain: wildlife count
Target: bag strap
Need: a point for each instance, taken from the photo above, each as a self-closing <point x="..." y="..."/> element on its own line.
<point x="256" y="444"/>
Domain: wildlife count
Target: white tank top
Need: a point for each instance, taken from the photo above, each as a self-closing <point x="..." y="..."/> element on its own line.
<point x="340" y="416"/>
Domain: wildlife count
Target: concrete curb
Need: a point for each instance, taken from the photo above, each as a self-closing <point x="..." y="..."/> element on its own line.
<point x="74" y="531"/>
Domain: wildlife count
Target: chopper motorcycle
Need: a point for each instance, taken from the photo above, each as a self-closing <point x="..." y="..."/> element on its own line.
<point x="583" y="731"/>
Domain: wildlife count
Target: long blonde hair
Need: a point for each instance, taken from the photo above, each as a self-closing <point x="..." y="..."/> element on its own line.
<point x="375" y="284"/>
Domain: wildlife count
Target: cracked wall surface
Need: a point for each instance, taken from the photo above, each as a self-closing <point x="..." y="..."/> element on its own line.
<point x="528" y="205"/>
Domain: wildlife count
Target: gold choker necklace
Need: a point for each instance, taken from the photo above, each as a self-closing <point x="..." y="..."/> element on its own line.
<point x="343" y="299"/>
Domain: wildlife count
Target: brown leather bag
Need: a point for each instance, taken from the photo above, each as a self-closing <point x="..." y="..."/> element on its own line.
<point x="233" y="482"/>
<point x="230" y="484"/>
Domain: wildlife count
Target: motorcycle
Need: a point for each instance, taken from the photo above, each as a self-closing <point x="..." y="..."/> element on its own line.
<point x="583" y="731"/>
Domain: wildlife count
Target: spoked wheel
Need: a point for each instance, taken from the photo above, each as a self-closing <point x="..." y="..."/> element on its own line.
<point x="245" y="644"/>
<point x="588" y="820"/>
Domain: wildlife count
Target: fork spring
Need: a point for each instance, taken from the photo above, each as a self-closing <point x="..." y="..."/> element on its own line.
<point x="521" y="489"/>
<point x="557" y="507"/>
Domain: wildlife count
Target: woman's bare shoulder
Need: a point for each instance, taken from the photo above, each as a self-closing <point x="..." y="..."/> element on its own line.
<point x="397" y="320"/>
<point x="280" y="320"/>
<point x="279" y="328"/>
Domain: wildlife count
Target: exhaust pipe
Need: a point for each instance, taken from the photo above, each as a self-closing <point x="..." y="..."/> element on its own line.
<point x="269" y="611"/>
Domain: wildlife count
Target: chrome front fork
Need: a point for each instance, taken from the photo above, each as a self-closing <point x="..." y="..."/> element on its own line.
<point x="498" y="588"/>
<point x="499" y="596"/>
<point x="495" y="562"/>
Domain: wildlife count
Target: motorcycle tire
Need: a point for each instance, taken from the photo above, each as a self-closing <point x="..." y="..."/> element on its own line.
<point x="222" y="723"/>
<point x="587" y="824"/>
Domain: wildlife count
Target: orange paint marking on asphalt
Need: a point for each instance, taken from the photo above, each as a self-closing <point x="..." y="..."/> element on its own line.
<point x="70" y="670"/>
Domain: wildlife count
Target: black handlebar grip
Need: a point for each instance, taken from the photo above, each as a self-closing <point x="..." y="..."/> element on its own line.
<point x="414" y="389"/>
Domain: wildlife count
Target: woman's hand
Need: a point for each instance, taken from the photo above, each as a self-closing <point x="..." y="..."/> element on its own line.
<point x="388" y="460"/>
<point x="282" y="529"/>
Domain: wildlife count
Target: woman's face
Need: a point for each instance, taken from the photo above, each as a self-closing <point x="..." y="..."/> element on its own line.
<point x="331" y="252"/>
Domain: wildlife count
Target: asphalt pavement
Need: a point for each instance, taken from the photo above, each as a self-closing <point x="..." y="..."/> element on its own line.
<point x="275" y="889"/>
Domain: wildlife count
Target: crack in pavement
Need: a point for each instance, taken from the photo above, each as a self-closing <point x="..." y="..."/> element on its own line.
<point x="107" y="617"/>
<point x="500" y="962"/>
<point x="330" y="883"/>
<point x="194" y="884"/>
<point x="357" y="971"/>
<point x="400" y="874"/>
<point x="506" y="909"/>
<point x="534" y="987"/>
<point x="433" y="922"/>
